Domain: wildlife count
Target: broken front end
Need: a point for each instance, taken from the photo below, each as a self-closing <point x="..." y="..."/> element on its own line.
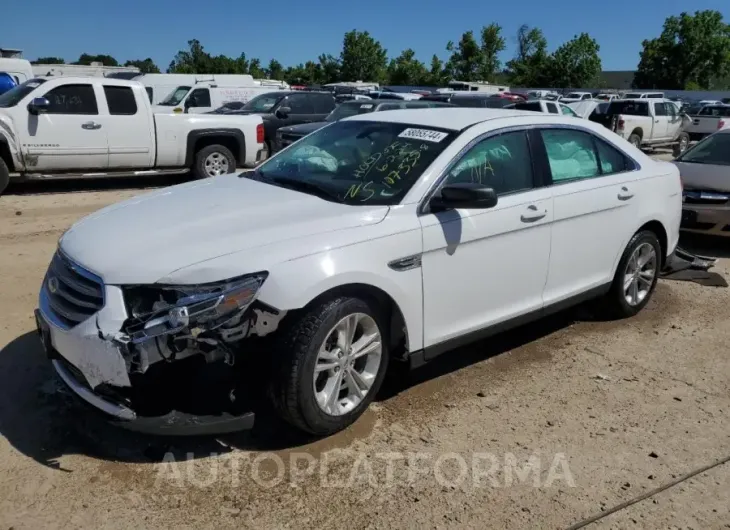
<point x="157" y="358"/>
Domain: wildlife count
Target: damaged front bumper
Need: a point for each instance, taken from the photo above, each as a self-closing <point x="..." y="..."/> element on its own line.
<point x="107" y="399"/>
<point x="80" y="322"/>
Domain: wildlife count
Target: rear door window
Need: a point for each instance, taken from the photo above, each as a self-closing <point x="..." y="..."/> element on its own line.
<point x="120" y="100"/>
<point x="571" y="154"/>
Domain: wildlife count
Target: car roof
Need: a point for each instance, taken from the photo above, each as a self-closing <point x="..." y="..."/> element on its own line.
<point x="455" y="118"/>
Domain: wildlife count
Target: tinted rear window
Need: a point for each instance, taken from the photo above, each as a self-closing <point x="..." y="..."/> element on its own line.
<point x="632" y="108"/>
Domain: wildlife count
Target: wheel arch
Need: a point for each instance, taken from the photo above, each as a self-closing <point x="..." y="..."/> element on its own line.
<point x="655" y="226"/>
<point x="397" y="325"/>
<point x="233" y="139"/>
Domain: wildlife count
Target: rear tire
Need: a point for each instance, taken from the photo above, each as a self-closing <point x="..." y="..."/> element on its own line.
<point x="636" y="276"/>
<point x="4" y="176"/>
<point x="309" y="360"/>
<point x="213" y="161"/>
<point x="635" y="140"/>
<point x="682" y="144"/>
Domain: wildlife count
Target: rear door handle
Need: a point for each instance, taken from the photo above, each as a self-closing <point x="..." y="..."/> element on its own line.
<point x="90" y="125"/>
<point x="624" y="194"/>
<point x="533" y="214"/>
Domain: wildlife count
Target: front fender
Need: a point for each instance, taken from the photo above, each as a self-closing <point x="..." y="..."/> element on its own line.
<point x="9" y="140"/>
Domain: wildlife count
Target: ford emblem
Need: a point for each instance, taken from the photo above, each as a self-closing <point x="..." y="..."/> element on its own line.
<point x="53" y="284"/>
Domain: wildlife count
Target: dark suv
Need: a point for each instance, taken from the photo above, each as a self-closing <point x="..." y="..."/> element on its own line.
<point x="283" y="108"/>
<point x="288" y="135"/>
<point x="470" y="99"/>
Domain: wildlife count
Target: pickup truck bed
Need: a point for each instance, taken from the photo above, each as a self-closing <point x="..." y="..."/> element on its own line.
<point x="708" y="120"/>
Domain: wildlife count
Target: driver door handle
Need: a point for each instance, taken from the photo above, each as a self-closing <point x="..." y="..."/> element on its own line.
<point x="90" y="125"/>
<point x="624" y="194"/>
<point x="532" y="214"/>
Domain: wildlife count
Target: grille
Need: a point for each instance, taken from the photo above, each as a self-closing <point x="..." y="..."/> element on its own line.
<point x="73" y="294"/>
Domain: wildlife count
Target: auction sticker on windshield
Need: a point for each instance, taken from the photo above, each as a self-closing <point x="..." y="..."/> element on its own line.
<point x="423" y="134"/>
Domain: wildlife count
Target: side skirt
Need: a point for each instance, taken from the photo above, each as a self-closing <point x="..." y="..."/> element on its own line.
<point x="421" y="357"/>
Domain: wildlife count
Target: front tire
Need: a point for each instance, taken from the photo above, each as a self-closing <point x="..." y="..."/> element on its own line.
<point x="636" y="276"/>
<point x="4" y="176"/>
<point x="331" y="362"/>
<point x="213" y="161"/>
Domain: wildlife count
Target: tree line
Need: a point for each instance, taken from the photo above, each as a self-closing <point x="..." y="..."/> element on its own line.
<point x="692" y="53"/>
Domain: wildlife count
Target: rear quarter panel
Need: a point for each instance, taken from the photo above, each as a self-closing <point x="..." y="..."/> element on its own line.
<point x="173" y="130"/>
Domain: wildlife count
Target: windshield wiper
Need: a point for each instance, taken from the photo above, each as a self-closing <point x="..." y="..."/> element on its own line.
<point x="306" y="187"/>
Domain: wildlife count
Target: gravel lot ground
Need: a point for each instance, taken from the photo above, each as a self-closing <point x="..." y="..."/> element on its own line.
<point x="606" y="412"/>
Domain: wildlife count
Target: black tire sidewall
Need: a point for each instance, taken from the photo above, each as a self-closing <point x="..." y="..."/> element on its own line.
<point x="314" y="416"/>
<point x="636" y="144"/>
<point x="618" y="302"/>
<point x="4" y="176"/>
<point x="201" y="155"/>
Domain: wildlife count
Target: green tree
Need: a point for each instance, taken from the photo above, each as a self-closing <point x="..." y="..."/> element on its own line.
<point x="255" y="69"/>
<point x="146" y="66"/>
<point x="275" y="70"/>
<point x="407" y="70"/>
<point x="106" y="60"/>
<point x="530" y="64"/>
<point x="330" y="68"/>
<point x="362" y="58"/>
<point x="491" y="46"/>
<point x="436" y="74"/>
<point x="575" y="64"/>
<point x="692" y="49"/>
<point x="48" y="60"/>
<point x="194" y="60"/>
<point x="466" y="58"/>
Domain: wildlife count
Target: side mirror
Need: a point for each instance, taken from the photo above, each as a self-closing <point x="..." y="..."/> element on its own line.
<point x="38" y="106"/>
<point x="468" y="195"/>
<point x="283" y="112"/>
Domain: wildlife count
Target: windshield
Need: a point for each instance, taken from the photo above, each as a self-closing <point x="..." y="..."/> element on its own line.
<point x="345" y="110"/>
<point x="15" y="95"/>
<point x="574" y="95"/>
<point x="176" y="96"/>
<point x="714" y="149"/>
<point x="264" y="102"/>
<point x="632" y="95"/>
<point x="357" y="162"/>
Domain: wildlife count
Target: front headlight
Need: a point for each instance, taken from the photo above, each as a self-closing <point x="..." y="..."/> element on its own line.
<point x="161" y="310"/>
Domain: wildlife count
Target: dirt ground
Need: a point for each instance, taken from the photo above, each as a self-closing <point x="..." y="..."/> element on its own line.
<point x="547" y="426"/>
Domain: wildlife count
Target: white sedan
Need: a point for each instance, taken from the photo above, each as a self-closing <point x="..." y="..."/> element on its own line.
<point x="386" y="236"/>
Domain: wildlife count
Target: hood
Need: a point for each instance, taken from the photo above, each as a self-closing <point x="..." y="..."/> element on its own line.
<point x="706" y="177"/>
<point x="304" y="128"/>
<point x="146" y="238"/>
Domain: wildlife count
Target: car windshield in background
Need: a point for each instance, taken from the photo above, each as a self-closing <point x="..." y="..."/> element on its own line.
<point x="631" y="108"/>
<point x="693" y="110"/>
<point x="632" y="95"/>
<point x="531" y="105"/>
<point x="15" y="95"/>
<point x="263" y="103"/>
<point x="714" y="150"/>
<point x="357" y="162"/>
<point x="574" y="95"/>
<point x="345" y="110"/>
<point x="176" y="96"/>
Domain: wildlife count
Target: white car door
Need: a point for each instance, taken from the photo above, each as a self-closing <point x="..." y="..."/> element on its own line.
<point x="129" y="129"/>
<point x="198" y="101"/>
<point x="485" y="266"/>
<point x="69" y="135"/>
<point x="661" y="121"/>
<point x="593" y="184"/>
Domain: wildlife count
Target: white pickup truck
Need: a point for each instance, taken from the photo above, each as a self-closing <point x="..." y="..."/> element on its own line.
<point x="648" y="122"/>
<point x="70" y="127"/>
<point x="545" y="106"/>
<point x="708" y="120"/>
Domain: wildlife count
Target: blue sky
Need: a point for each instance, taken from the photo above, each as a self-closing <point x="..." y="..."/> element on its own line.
<point x="294" y="31"/>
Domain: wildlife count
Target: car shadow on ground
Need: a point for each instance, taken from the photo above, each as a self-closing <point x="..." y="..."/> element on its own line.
<point x="50" y="186"/>
<point x="41" y="418"/>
